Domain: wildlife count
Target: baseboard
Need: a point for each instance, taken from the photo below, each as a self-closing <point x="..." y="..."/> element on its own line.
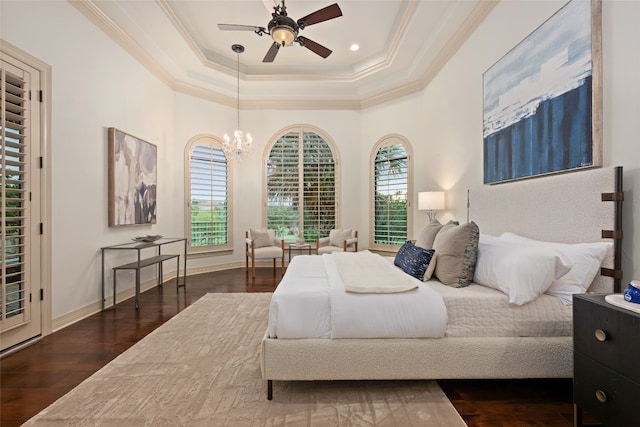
<point x="81" y="313"/>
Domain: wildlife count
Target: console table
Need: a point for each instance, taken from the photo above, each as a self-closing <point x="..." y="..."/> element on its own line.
<point x="156" y="257"/>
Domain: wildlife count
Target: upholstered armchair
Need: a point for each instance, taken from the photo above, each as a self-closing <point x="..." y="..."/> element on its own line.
<point x="338" y="240"/>
<point x="263" y="244"/>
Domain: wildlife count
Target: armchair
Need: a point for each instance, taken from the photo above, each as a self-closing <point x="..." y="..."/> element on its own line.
<point x="262" y="244"/>
<point x="338" y="240"/>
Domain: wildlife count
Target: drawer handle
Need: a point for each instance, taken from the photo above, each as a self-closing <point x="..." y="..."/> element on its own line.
<point x="601" y="396"/>
<point x="601" y="335"/>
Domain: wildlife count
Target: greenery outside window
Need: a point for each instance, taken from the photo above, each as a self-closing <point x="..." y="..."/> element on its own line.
<point x="301" y="185"/>
<point x="209" y="196"/>
<point x="390" y="200"/>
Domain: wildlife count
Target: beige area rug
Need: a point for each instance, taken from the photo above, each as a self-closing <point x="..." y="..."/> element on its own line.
<point x="201" y="368"/>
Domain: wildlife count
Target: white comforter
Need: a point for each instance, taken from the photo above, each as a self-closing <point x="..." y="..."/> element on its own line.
<point x="311" y="302"/>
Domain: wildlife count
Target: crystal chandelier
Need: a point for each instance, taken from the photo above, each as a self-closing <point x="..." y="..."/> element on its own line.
<point x="239" y="146"/>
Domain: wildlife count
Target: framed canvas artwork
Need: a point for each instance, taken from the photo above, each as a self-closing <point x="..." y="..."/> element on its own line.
<point x="132" y="180"/>
<point x="542" y="110"/>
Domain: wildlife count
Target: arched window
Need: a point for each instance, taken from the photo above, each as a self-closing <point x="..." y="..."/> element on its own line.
<point x="390" y="193"/>
<point x="301" y="185"/>
<point x="208" y="190"/>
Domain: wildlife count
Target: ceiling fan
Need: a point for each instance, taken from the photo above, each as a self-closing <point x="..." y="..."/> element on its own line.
<point x="284" y="30"/>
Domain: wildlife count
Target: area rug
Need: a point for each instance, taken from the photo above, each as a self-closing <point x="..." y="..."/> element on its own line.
<point x="201" y="368"/>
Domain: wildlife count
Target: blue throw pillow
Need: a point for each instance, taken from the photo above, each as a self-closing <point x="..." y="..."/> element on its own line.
<point x="413" y="259"/>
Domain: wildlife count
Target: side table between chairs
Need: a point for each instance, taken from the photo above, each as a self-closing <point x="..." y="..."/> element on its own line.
<point x="299" y="247"/>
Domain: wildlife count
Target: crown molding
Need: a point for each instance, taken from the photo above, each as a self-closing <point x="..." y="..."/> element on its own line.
<point x="92" y="12"/>
<point x="102" y="21"/>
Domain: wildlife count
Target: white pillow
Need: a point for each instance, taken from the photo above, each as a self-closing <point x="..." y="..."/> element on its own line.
<point x="523" y="272"/>
<point x="337" y="237"/>
<point x="586" y="259"/>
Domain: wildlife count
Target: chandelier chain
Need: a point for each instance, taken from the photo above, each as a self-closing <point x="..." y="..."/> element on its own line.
<point x="238" y="86"/>
<point x="238" y="146"/>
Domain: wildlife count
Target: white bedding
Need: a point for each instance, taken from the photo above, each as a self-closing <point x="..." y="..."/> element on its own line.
<point x="311" y="302"/>
<point x="300" y="308"/>
<point x="369" y="275"/>
<point x="479" y="311"/>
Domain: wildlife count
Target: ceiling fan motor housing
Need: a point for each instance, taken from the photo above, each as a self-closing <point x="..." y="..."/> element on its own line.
<point x="283" y="30"/>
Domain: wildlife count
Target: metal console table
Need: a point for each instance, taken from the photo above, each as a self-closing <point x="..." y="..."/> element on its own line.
<point x="140" y="263"/>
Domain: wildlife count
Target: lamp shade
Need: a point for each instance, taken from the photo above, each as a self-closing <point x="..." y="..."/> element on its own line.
<point x="431" y="200"/>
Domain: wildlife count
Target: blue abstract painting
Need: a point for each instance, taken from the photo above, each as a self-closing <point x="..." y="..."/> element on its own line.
<point x="539" y="100"/>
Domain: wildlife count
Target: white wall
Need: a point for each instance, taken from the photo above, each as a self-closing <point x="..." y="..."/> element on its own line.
<point x="448" y="121"/>
<point x="621" y="127"/>
<point x="96" y="84"/>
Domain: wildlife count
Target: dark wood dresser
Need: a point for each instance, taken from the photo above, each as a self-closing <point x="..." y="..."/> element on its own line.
<point x="606" y="365"/>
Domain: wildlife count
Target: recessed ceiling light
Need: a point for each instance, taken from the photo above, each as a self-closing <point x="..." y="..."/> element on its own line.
<point x="354" y="47"/>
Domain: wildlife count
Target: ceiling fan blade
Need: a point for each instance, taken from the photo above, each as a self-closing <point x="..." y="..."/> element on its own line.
<point x="269" y="5"/>
<point x="234" y="27"/>
<point x="321" y="15"/>
<point x="271" y="54"/>
<point x="314" y="47"/>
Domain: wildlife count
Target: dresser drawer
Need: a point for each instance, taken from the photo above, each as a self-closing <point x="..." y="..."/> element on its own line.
<point x="607" y="334"/>
<point x="592" y="381"/>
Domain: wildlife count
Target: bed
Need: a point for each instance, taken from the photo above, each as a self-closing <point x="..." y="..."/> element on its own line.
<point x="572" y="208"/>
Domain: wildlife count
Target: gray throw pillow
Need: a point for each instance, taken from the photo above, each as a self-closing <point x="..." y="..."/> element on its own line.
<point x="457" y="249"/>
<point x="428" y="235"/>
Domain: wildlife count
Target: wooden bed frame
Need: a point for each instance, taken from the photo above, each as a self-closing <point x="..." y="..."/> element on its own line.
<point x="583" y="206"/>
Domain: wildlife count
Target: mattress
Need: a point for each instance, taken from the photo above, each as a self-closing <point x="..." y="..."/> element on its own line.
<point x="300" y="308"/>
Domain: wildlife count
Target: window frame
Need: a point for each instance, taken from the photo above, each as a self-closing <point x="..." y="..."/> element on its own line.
<point x="301" y="129"/>
<point x="387" y="141"/>
<point x="217" y="143"/>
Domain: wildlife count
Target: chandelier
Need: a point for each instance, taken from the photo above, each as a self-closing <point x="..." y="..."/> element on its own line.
<point x="239" y="146"/>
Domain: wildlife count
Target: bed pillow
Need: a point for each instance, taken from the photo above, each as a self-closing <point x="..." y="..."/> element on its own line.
<point x="413" y="260"/>
<point x="523" y="272"/>
<point x="428" y="235"/>
<point x="262" y="238"/>
<point x="457" y="248"/>
<point x="431" y="268"/>
<point x="337" y="237"/>
<point x="586" y="259"/>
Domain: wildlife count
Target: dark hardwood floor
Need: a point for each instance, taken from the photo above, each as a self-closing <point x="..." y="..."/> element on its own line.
<point x="36" y="376"/>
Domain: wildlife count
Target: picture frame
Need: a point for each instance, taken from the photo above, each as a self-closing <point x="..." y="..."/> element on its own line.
<point x="132" y="180"/>
<point x="542" y="101"/>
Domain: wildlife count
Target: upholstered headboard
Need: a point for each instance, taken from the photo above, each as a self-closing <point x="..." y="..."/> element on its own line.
<point x="584" y="206"/>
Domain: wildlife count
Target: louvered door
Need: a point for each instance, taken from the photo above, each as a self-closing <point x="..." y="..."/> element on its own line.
<point x="20" y="305"/>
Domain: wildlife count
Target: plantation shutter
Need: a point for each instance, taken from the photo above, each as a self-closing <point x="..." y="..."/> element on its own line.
<point x="301" y="182"/>
<point x="283" y="201"/>
<point x="209" y="206"/>
<point x="318" y="187"/>
<point x="391" y="195"/>
<point x="15" y="192"/>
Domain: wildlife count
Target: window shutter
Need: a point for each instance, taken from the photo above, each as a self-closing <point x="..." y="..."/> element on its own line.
<point x="209" y="203"/>
<point x="14" y="227"/>
<point x="283" y="203"/>
<point x="391" y="188"/>
<point x="318" y="188"/>
<point x="301" y="182"/>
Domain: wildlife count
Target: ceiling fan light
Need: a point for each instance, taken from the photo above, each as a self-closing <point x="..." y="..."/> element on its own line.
<point x="283" y="34"/>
